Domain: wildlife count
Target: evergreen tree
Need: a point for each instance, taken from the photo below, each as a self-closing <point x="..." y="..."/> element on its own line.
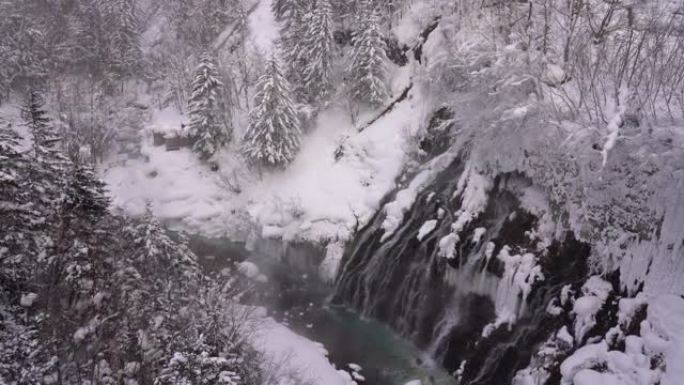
<point x="86" y="193"/>
<point x="126" y="53"/>
<point x="293" y="40"/>
<point x="44" y="135"/>
<point x="47" y="171"/>
<point x="87" y="294"/>
<point x="24" y="46"/>
<point x="318" y="53"/>
<point x="367" y="72"/>
<point x="90" y="40"/>
<point x="122" y="29"/>
<point x="206" y="110"/>
<point x="200" y="22"/>
<point x="15" y="194"/>
<point x="36" y="116"/>
<point x="280" y="8"/>
<point x="273" y="136"/>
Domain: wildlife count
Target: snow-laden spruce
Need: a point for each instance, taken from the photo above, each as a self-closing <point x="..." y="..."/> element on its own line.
<point x="294" y="17"/>
<point x="273" y="136"/>
<point x="122" y="25"/>
<point x="208" y="123"/>
<point x="367" y="72"/>
<point x="319" y="47"/>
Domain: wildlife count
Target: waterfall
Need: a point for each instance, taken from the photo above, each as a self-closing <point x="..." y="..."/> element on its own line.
<point x="493" y="277"/>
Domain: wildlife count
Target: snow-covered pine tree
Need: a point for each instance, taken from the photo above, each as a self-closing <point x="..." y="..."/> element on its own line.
<point x="24" y="46"/>
<point x="293" y="40"/>
<point x="206" y="109"/>
<point x="36" y="116"/>
<point x="280" y="8"/>
<point x="14" y="195"/>
<point x="200" y="22"/>
<point x="273" y="136"/>
<point x="86" y="193"/>
<point x="367" y="72"/>
<point x="42" y="131"/>
<point x="49" y="166"/>
<point x="318" y="54"/>
<point x="124" y="42"/>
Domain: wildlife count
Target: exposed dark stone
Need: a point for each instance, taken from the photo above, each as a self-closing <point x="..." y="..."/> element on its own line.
<point x="401" y="280"/>
<point x="418" y="49"/>
<point x="437" y="137"/>
<point x="477" y="311"/>
<point x="389" y="107"/>
<point x="398" y="281"/>
<point x="396" y="53"/>
<point x="634" y="326"/>
<point x="496" y="359"/>
<point x="173" y="143"/>
<point x="158" y="138"/>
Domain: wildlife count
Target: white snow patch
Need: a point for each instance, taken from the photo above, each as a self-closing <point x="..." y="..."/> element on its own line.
<point x="427" y="227"/>
<point x="316" y="198"/>
<point x="28" y="299"/>
<point x="628" y="308"/>
<point x="248" y="269"/>
<point x="473" y="187"/>
<point x="520" y="274"/>
<point x="81" y="333"/>
<point x="660" y="336"/>
<point x="585" y="357"/>
<point x="447" y="245"/>
<point x="395" y="210"/>
<point x="274" y="232"/>
<point x="306" y="357"/>
<point x="358" y="377"/>
<point x="554" y="75"/>
<point x="264" y="29"/>
<point x="595" y="292"/>
<point x="478" y="233"/>
<point x="666" y="320"/>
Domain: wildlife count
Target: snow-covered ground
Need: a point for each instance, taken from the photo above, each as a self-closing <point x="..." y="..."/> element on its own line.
<point x="305" y="359"/>
<point x="318" y="197"/>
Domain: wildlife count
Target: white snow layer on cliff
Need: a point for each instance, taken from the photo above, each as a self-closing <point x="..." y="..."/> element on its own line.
<point x="655" y="356"/>
<point x="595" y="293"/>
<point x="316" y="198"/>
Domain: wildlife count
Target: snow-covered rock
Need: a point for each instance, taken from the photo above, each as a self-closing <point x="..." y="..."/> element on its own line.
<point x="27" y="299"/>
<point x="447" y="245"/>
<point x="426" y="228"/>
<point x="249" y="269"/>
<point x="595" y="292"/>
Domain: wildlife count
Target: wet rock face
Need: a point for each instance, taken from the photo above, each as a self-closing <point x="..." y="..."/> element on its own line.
<point x="477" y="310"/>
<point x="442" y="304"/>
<point x="399" y="280"/>
<point x="395" y="52"/>
<point x="437" y="137"/>
<point x="496" y="358"/>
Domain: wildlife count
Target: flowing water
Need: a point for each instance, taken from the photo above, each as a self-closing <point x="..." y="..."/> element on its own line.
<point x="296" y="297"/>
<point x="439" y="307"/>
<point x="443" y="305"/>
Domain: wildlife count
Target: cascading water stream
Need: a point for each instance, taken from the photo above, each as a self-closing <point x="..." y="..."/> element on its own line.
<point x="443" y="304"/>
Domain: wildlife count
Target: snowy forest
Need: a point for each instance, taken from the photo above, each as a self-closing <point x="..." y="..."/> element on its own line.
<point x="341" y="192"/>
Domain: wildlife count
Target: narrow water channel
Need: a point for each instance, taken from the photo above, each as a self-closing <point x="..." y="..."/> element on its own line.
<point x="296" y="297"/>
